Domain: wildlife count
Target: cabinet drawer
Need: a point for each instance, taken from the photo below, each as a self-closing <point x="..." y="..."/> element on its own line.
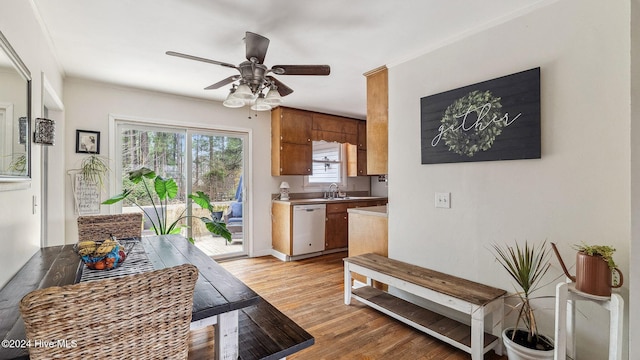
<point x="337" y="208"/>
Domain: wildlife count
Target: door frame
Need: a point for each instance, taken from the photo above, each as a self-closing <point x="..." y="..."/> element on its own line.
<point x="115" y="187"/>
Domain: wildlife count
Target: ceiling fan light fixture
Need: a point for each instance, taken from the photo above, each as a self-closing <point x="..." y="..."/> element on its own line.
<point x="232" y="101"/>
<point x="273" y="97"/>
<point x="244" y="92"/>
<point x="260" y="104"/>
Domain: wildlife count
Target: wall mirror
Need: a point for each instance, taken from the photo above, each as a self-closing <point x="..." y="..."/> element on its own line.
<point x="15" y="115"/>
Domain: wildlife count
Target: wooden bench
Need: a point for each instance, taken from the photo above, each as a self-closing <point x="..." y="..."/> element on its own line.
<point x="265" y="333"/>
<point x="468" y="297"/>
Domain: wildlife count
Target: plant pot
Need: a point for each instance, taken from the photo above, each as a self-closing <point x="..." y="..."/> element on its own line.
<point x="516" y="351"/>
<point x="216" y="215"/>
<point x="593" y="275"/>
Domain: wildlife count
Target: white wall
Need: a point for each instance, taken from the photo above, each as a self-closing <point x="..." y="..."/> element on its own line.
<point x="88" y="106"/>
<point x="578" y="192"/>
<point x="19" y="227"/>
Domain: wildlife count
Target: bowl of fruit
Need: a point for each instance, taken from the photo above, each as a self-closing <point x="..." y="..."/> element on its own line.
<point x="101" y="255"/>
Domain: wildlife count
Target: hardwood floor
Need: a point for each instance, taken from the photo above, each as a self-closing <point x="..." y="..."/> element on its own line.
<point x="311" y="293"/>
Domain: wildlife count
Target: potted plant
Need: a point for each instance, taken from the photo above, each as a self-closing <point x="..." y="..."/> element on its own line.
<point x="166" y="189"/>
<point x="93" y="169"/>
<point x="595" y="269"/>
<point x="217" y="210"/>
<point x="526" y="265"/>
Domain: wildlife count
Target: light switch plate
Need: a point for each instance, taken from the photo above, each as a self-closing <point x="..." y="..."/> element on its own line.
<point x="443" y="200"/>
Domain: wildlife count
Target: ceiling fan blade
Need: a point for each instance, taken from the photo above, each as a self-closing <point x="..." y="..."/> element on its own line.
<point x="191" y="57"/>
<point x="224" y="82"/>
<point x="257" y="46"/>
<point x="283" y="89"/>
<point x="301" y="69"/>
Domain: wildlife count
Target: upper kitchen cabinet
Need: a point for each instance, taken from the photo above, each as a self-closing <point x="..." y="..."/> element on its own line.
<point x="291" y="147"/>
<point x="377" y="121"/>
<point x="292" y="134"/>
<point x="333" y="128"/>
<point x="362" y="135"/>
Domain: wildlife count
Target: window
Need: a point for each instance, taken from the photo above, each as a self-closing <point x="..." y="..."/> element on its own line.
<point x="328" y="166"/>
<point x="207" y="160"/>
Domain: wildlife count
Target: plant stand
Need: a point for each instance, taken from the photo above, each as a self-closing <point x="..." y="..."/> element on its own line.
<point x="565" y="344"/>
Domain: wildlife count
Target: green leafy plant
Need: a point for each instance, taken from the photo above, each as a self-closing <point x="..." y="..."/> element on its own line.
<point x="166" y="189"/>
<point x="219" y="207"/>
<point x="606" y="252"/>
<point x="526" y="265"/>
<point x="93" y="169"/>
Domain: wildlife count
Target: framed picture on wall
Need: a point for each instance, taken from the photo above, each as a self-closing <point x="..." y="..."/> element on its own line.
<point x="87" y="141"/>
<point x="498" y="119"/>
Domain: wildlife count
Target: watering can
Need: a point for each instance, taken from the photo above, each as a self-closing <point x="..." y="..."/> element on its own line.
<point x="593" y="275"/>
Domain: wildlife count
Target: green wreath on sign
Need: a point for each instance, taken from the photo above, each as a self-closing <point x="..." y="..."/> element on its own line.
<point x="467" y="135"/>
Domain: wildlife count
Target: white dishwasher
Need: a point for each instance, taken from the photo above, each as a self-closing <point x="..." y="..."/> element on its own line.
<point x="308" y="228"/>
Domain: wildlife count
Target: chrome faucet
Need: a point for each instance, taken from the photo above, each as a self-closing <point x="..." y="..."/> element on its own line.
<point x="333" y="192"/>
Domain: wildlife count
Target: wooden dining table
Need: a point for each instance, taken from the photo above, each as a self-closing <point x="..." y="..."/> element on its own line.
<point x="217" y="298"/>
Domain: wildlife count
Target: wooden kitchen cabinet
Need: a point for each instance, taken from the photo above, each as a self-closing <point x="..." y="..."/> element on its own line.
<point x="362" y="135"/>
<point x="362" y="149"/>
<point x="291" y="147"/>
<point x="282" y="227"/>
<point x="333" y="128"/>
<point x="357" y="153"/>
<point x="356" y="161"/>
<point x="336" y="223"/>
<point x="377" y="121"/>
<point x="336" y="230"/>
<point x="362" y="163"/>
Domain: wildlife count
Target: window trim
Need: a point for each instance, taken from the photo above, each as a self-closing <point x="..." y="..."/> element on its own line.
<point x="319" y="186"/>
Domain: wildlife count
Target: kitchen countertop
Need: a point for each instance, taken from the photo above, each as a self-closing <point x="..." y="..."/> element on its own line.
<point x="329" y="201"/>
<point x="370" y="210"/>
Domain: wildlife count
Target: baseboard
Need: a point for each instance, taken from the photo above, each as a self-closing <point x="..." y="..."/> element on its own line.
<point x="284" y="257"/>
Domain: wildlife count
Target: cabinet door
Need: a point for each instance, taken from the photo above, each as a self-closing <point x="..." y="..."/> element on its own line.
<point x="295" y="159"/>
<point x="377" y="121"/>
<point x="362" y="162"/>
<point x="295" y="126"/>
<point x="362" y="135"/>
<point x="336" y="231"/>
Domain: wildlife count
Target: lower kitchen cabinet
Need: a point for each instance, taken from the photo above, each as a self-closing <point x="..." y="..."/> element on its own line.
<point x="336" y="227"/>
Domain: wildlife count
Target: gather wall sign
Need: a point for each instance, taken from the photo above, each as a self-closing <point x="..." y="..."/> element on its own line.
<point x="498" y="119"/>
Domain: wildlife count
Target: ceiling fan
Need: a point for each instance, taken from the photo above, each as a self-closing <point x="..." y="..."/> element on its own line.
<point x="255" y="77"/>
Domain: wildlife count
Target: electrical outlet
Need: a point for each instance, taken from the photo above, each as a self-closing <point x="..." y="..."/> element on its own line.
<point x="443" y="200"/>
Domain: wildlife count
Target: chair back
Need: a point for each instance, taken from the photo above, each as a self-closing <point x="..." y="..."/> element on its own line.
<point x="99" y="227"/>
<point x="142" y="316"/>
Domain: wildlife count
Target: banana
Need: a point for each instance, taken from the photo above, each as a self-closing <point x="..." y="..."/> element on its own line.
<point x="106" y="247"/>
<point x="86" y="248"/>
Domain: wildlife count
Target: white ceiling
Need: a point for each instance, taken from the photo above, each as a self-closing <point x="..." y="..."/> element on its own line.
<point x="124" y="41"/>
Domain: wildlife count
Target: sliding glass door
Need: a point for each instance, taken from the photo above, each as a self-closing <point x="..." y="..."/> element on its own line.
<point x="217" y="167"/>
<point x="214" y="165"/>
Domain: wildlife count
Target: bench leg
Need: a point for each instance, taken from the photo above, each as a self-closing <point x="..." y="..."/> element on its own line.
<point x="496" y="321"/>
<point x="477" y="333"/>
<point x="347" y="284"/>
<point x="226" y="336"/>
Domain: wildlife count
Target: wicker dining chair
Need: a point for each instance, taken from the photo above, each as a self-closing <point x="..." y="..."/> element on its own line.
<point x="100" y="227"/>
<point x="142" y="316"/>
